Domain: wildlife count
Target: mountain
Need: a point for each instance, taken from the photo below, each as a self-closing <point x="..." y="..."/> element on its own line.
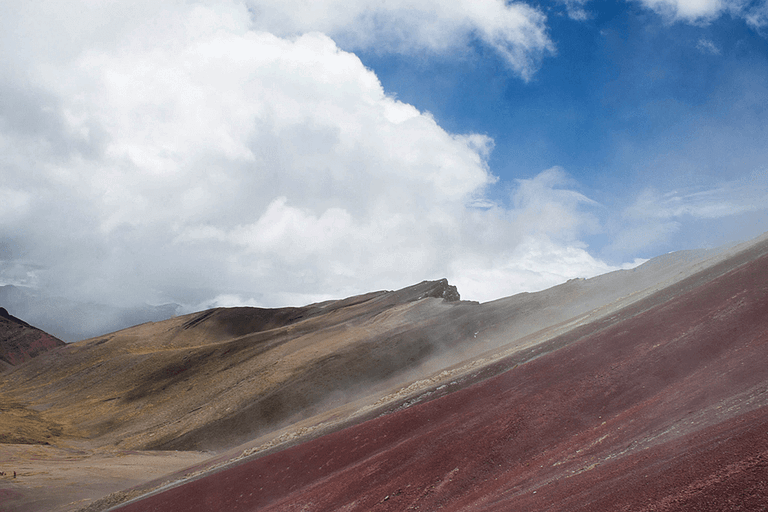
<point x="662" y="406"/>
<point x="71" y="320"/>
<point x="20" y="342"/>
<point x="389" y="388"/>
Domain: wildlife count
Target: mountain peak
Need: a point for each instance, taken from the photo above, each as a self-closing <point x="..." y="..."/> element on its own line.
<point x="440" y="289"/>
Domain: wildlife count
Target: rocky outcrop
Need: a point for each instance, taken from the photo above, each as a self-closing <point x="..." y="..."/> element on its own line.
<point x="439" y="289"/>
<point x="446" y="291"/>
<point x="20" y="342"/>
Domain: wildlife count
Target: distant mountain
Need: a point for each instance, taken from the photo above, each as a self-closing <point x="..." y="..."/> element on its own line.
<point x="20" y="342"/>
<point x="73" y="321"/>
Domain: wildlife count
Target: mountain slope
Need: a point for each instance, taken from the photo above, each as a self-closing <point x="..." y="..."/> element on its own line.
<point x="664" y="407"/>
<point x="20" y="342"/>
<point x="273" y="378"/>
<point x="214" y="379"/>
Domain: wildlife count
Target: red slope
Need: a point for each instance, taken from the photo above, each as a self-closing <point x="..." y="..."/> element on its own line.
<point x="20" y="342"/>
<point x="662" y="411"/>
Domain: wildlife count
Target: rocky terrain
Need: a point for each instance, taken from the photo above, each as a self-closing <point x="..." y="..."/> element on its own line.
<point x="591" y="394"/>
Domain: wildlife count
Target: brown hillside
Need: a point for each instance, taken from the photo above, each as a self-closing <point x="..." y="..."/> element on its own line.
<point x="214" y="379"/>
<point x="660" y="407"/>
<point x="20" y="342"/>
<point x="233" y="372"/>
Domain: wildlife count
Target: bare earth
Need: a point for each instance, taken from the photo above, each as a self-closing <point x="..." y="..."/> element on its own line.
<point x="50" y="478"/>
<point x="413" y="399"/>
<point x="662" y="408"/>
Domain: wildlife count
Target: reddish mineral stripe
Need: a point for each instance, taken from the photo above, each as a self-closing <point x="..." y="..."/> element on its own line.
<point x="661" y="411"/>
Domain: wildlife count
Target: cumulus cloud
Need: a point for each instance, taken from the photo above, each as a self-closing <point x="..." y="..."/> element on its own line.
<point x="514" y="29"/>
<point x="215" y="154"/>
<point x="531" y="246"/>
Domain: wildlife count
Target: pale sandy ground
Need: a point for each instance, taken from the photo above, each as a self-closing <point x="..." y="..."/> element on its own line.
<point x="60" y="479"/>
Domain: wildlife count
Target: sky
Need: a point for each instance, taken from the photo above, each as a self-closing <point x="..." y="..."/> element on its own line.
<point x="223" y="152"/>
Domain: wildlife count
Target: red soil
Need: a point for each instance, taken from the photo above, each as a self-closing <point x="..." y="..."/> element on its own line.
<point x="664" y="410"/>
<point x="20" y="342"/>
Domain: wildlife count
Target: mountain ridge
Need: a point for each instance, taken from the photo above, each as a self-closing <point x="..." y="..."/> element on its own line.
<point x="676" y="389"/>
<point x="20" y="342"/>
<point x="248" y="382"/>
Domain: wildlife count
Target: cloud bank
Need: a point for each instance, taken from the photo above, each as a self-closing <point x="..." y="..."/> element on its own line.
<point x="220" y="153"/>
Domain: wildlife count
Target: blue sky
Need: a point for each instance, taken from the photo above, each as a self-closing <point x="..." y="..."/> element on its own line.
<point x="229" y="152"/>
<point x="631" y="100"/>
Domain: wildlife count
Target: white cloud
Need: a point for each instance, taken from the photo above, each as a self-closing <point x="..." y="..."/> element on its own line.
<point x="704" y="11"/>
<point x="515" y="30"/>
<point x="543" y="204"/>
<point x="173" y="153"/>
<point x="225" y="301"/>
<point x="536" y="263"/>
<point x="654" y="218"/>
<point x="757" y="15"/>
<point x="707" y="46"/>
<point x="728" y="199"/>
<point x="688" y="10"/>
<point x="575" y="9"/>
<point x="532" y="246"/>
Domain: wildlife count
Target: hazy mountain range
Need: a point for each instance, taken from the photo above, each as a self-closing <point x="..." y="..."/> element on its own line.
<point x="70" y="320"/>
